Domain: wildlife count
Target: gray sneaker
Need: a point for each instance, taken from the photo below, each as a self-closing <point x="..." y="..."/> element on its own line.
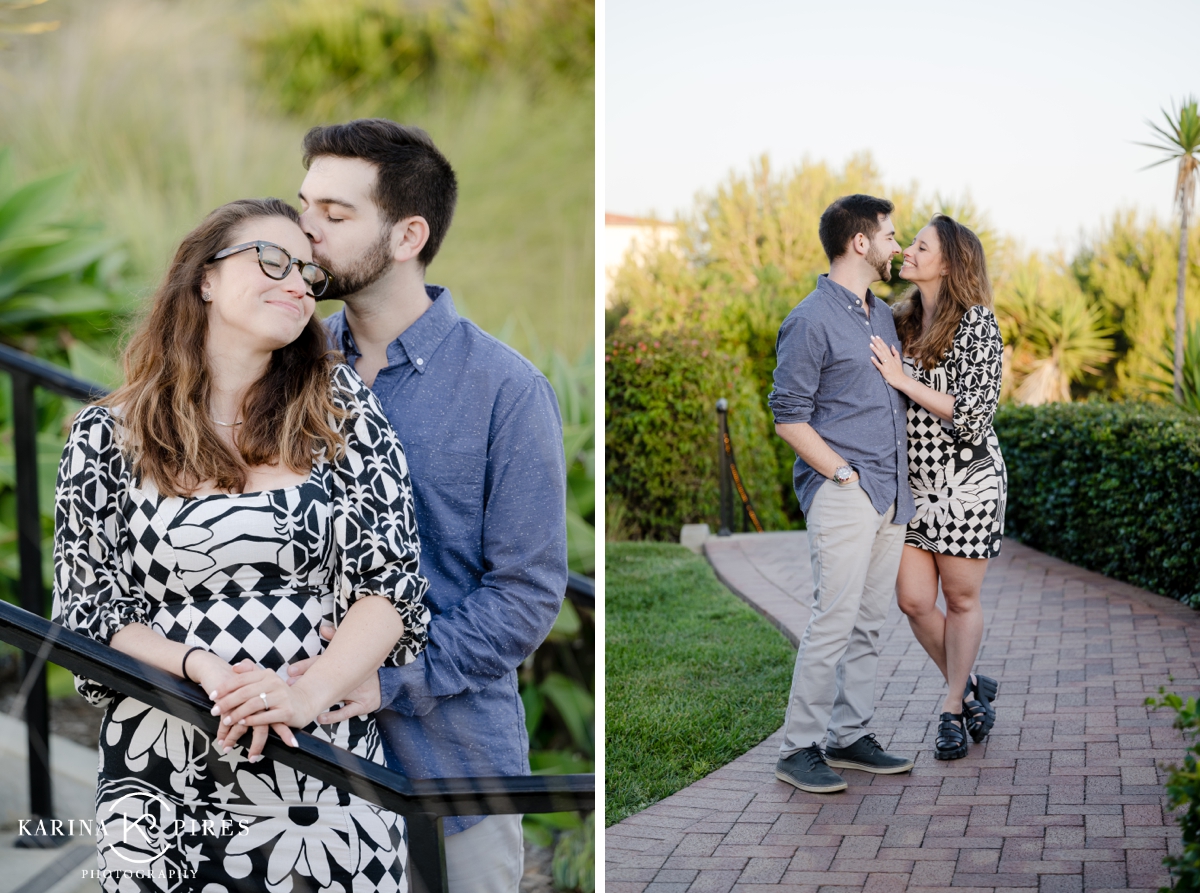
<point x="806" y="769"/>
<point x="867" y="755"/>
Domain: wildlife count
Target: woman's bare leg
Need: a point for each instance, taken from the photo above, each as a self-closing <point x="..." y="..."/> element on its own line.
<point x="916" y="594"/>
<point x="962" y="579"/>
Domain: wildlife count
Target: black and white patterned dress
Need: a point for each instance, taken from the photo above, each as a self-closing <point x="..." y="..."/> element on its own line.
<point x="956" y="472"/>
<point x="246" y="576"/>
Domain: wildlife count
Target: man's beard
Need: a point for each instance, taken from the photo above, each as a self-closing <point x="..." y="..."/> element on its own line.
<point x="882" y="262"/>
<point x="357" y="275"/>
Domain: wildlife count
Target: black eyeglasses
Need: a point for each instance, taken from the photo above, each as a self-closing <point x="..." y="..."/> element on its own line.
<point x="276" y="263"/>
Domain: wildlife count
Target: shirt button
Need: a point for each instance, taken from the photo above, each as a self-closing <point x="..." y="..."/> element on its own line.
<point x="420" y="362"/>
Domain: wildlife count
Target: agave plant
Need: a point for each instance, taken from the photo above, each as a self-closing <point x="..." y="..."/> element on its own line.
<point x="1053" y="337"/>
<point x="55" y="273"/>
<point x="58" y="300"/>
<point x="1164" y="383"/>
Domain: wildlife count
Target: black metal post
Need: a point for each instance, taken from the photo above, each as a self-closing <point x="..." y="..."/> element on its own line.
<point x="726" y="475"/>
<point x="29" y="546"/>
<point x="426" y="854"/>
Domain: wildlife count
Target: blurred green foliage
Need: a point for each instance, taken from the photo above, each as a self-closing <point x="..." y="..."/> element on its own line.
<point x="1113" y="487"/>
<point x="316" y="57"/>
<point x="1183" y="794"/>
<point x="574" y="384"/>
<point x="59" y="300"/>
<point x="161" y="108"/>
<point x="575" y="858"/>
<point x="58" y="276"/>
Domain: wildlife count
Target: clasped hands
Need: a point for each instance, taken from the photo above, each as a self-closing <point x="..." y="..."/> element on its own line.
<point x="248" y="697"/>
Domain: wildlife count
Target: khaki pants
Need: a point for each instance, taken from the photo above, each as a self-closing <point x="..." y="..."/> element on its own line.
<point x="855" y="555"/>
<point x="489" y="857"/>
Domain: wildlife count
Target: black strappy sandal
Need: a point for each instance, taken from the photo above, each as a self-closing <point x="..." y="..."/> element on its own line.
<point x="978" y="712"/>
<point x="951" y="743"/>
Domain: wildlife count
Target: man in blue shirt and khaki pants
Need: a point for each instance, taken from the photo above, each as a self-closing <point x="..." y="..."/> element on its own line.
<point x="483" y="438"/>
<point x="847" y="426"/>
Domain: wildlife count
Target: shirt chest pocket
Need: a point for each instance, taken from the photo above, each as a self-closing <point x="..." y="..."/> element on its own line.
<point x="448" y="487"/>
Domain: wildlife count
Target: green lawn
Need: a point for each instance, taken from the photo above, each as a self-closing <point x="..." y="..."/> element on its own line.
<point x="694" y="676"/>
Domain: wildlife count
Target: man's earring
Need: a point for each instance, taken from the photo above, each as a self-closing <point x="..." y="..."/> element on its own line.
<point x="206" y="297"/>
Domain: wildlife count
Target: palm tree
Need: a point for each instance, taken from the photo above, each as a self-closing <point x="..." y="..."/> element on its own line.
<point x="1180" y="140"/>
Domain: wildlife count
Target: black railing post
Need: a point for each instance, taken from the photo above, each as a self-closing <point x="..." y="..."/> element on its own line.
<point x="726" y="476"/>
<point x="29" y="549"/>
<point x="426" y="854"/>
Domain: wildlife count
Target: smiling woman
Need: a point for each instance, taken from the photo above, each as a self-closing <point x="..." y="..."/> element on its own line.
<point x="236" y="495"/>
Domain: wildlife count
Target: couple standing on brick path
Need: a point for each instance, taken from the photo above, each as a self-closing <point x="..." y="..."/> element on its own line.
<point x="900" y="478"/>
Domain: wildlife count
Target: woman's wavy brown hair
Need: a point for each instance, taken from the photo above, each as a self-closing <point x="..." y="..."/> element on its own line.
<point x="964" y="285"/>
<point x="289" y="414"/>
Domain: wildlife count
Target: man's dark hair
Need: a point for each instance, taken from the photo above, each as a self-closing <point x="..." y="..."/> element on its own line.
<point x="849" y="216"/>
<point x="413" y="179"/>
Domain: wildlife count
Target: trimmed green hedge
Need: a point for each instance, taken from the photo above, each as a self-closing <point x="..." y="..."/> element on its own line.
<point x="1112" y="487"/>
<point x="660" y="395"/>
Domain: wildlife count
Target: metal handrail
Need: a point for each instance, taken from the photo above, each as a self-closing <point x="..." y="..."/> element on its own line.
<point x="423" y="802"/>
<point x="313" y="756"/>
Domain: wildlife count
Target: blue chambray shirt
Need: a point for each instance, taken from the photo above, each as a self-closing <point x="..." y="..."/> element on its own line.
<point x="483" y="437"/>
<point x="825" y="377"/>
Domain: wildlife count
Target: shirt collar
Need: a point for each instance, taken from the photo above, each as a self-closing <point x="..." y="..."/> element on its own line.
<point x="419" y="342"/>
<point x="841" y="293"/>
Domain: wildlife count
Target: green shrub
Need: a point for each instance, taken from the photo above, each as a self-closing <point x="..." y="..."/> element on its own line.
<point x="661" y="431"/>
<point x="1183" y="789"/>
<point x="1111" y="487"/>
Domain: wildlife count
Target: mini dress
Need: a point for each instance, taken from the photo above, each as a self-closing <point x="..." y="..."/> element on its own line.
<point x="955" y="469"/>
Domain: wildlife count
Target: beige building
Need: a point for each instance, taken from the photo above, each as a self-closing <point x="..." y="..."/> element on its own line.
<point x="629" y="236"/>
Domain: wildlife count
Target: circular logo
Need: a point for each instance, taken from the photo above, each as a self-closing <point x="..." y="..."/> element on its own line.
<point x="136" y="828"/>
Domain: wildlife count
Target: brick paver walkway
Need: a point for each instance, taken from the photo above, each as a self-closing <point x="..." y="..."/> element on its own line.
<point x="1064" y="797"/>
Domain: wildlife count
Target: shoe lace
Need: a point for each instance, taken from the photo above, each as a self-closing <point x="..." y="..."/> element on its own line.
<point x="813" y="756"/>
<point x="871" y="741"/>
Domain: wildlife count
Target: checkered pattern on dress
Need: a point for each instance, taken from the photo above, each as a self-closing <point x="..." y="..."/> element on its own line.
<point x="956" y="472"/>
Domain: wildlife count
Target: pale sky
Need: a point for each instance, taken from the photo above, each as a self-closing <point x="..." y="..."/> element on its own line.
<point x="1032" y="108"/>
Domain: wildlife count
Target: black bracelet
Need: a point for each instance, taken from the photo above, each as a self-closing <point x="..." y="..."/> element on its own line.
<point x="186" y="656"/>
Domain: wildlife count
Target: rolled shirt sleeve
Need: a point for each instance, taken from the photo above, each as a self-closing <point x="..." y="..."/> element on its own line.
<point x="93" y="593"/>
<point x="374" y="521"/>
<point x="800" y="350"/>
<point x="976" y="366"/>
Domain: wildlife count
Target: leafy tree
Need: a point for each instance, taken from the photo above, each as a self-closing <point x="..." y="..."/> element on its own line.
<point x="1180" y="141"/>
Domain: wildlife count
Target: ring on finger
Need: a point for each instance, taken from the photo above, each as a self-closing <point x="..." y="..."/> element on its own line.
<point x="263" y="695"/>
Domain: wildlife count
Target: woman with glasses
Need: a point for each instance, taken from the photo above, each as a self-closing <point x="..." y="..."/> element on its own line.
<point x="239" y="491"/>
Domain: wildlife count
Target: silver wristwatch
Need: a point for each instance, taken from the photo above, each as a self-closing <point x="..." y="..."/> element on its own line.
<point x="842" y="474"/>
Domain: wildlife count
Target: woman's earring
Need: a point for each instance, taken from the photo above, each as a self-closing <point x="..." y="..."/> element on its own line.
<point x="206" y="297"/>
